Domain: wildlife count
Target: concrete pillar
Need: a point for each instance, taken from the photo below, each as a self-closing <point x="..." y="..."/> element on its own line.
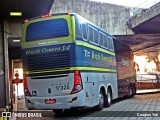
<point x="9" y="28"/>
<point x="6" y="62"/>
<point x="10" y="78"/>
<point x="2" y="70"/>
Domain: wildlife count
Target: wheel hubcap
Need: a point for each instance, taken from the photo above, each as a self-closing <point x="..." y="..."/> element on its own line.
<point x="109" y="97"/>
<point x="130" y="92"/>
<point x="101" y="99"/>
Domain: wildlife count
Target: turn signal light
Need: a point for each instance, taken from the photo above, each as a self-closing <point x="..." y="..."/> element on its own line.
<point x="47" y="15"/>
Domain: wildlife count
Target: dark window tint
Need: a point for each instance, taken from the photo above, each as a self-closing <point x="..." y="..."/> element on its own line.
<point x="90" y="33"/>
<point x="106" y="40"/>
<point x="111" y="43"/>
<point x="101" y="38"/>
<point x="96" y="41"/>
<point x="47" y="29"/>
<point x="84" y="31"/>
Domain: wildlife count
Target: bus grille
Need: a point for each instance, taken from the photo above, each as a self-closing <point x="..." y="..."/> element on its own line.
<point x="49" y="65"/>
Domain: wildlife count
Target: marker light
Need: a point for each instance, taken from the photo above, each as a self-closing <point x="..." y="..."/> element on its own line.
<point x="47" y="15"/>
<point x="68" y="13"/>
<point x="15" y="13"/>
<point x="16" y="40"/>
<point x="26" y="20"/>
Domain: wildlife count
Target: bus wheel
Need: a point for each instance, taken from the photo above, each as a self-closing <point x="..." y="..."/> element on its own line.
<point x="100" y="106"/>
<point x="58" y="111"/>
<point x="134" y="90"/>
<point x="108" y="98"/>
<point x="131" y="92"/>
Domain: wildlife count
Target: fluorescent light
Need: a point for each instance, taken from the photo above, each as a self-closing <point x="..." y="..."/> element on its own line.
<point x="16" y="40"/>
<point x="15" y="13"/>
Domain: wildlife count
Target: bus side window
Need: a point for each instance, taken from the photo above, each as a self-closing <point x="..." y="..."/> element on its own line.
<point x="96" y="40"/>
<point x="101" y="39"/>
<point x="90" y="31"/>
<point x="84" y="31"/>
<point x="106" y="41"/>
<point x="112" y="44"/>
<point x="111" y="47"/>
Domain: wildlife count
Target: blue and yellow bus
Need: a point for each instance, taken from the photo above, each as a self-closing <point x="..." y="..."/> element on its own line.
<point x="69" y="63"/>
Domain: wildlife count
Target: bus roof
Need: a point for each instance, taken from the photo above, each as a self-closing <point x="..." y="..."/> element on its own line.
<point x="48" y="15"/>
<point x="70" y="14"/>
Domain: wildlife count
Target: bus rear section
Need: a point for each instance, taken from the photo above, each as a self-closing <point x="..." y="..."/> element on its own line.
<point x="50" y="78"/>
<point x="51" y="82"/>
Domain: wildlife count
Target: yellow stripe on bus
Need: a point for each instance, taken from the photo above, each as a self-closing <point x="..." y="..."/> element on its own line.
<point x="94" y="47"/>
<point x="93" y="69"/>
<point x="73" y="27"/>
<point x="71" y="69"/>
<point x="46" y="71"/>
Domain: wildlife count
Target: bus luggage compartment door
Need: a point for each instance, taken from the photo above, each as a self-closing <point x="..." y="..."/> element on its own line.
<point x="89" y="91"/>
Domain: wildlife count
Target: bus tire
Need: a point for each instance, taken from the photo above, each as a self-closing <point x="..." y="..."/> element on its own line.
<point x="58" y="111"/>
<point x="131" y="92"/>
<point x="108" y="98"/>
<point x="134" y="90"/>
<point x="100" y="105"/>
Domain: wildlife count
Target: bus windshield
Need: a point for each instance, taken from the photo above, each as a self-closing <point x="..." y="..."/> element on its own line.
<point x="48" y="29"/>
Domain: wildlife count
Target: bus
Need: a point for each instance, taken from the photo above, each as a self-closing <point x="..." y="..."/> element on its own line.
<point x="69" y="62"/>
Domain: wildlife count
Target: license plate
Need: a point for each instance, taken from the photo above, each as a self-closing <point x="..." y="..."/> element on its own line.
<point x="50" y="101"/>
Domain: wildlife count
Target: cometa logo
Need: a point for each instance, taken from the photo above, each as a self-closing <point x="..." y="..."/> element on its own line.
<point x="48" y="50"/>
<point x="125" y="62"/>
